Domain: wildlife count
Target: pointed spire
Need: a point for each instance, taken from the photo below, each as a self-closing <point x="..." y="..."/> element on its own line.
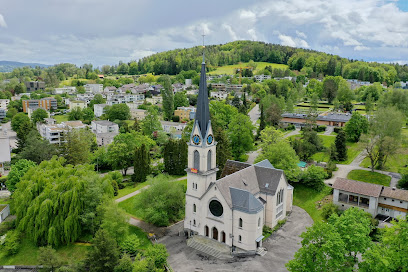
<point x="203" y="111"/>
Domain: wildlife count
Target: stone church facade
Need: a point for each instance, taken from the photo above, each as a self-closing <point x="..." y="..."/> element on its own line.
<point x="233" y="209"/>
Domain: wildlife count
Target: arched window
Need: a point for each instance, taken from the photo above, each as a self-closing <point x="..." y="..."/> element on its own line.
<point x="197" y="160"/>
<point x="194" y="208"/>
<point x="240" y="223"/>
<point x="209" y="160"/>
<point x="206" y="230"/>
<point x="194" y="222"/>
<point x="259" y="221"/>
<point x="239" y="238"/>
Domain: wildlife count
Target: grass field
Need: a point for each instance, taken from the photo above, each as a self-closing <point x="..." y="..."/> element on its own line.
<point x="130" y="189"/>
<point x="369" y="177"/>
<point x="230" y="69"/>
<point x="308" y="199"/>
<point x="61" y="118"/>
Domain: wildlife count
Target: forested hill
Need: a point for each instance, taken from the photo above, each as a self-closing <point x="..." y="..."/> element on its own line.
<point x="312" y="63"/>
<point x="8" y="66"/>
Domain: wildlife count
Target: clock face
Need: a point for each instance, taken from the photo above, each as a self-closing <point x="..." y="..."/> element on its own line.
<point x="210" y="139"/>
<point x="196" y="139"/>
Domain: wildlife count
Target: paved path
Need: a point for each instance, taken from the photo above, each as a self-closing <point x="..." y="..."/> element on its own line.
<point x="328" y="130"/>
<point x="281" y="247"/>
<point x="294" y="132"/>
<point x="254" y="114"/>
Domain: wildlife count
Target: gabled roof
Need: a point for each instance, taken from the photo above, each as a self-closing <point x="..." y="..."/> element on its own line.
<point x="357" y="187"/>
<point x="395" y="193"/>
<point x="245" y="201"/>
<point x="231" y="167"/>
<point x="265" y="163"/>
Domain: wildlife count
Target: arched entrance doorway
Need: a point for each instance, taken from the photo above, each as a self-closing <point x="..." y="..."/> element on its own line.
<point x="215" y="233"/>
<point x="206" y="231"/>
<point x="223" y="237"/>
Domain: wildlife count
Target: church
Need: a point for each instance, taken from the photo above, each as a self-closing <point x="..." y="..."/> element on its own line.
<point x="233" y="209"/>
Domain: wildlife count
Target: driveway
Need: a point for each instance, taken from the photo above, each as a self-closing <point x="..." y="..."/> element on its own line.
<point x="281" y="246"/>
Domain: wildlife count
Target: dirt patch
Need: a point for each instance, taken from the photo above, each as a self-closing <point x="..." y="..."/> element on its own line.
<point x="326" y="200"/>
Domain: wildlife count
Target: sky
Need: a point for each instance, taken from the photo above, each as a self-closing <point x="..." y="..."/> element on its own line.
<point x="108" y="31"/>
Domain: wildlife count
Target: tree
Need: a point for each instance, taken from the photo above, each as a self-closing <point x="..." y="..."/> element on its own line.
<point x="125" y="264"/>
<point x="157" y="254"/>
<point x="322" y="250"/>
<point x="354" y="227"/>
<point x="49" y="259"/>
<point x="355" y="127"/>
<point x="240" y="135"/>
<point x="345" y="95"/>
<point x="180" y="100"/>
<point x="21" y="124"/>
<point x="314" y="177"/>
<point x="77" y="146"/>
<point x="277" y="149"/>
<point x="151" y="122"/>
<point x="369" y="104"/>
<point x="75" y="114"/>
<point x="121" y="151"/>
<point x="87" y="115"/>
<point x="141" y="164"/>
<point x="175" y="157"/>
<point x="136" y="125"/>
<point x="51" y="201"/>
<point x="130" y="245"/>
<point x="168" y="100"/>
<point x="223" y="149"/>
<point x="384" y="136"/>
<point x="113" y="220"/>
<point x="261" y="123"/>
<point x="18" y="171"/>
<point x="97" y="99"/>
<point x="341" y="147"/>
<point x="37" y="149"/>
<point x="168" y="204"/>
<point x="118" y="112"/>
<point x="403" y="182"/>
<point x="329" y="88"/>
<point x="39" y="115"/>
<point x="104" y="255"/>
<point x="389" y="254"/>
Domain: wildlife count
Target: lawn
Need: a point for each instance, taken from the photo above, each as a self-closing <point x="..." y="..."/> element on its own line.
<point x="308" y="199"/>
<point x="4" y="200"/>
<point x="130" y="189"/>
<point x="61" y="118"/>
<point x="369" y="177"/>
<point x="230" y="69"/>
<point x="28" y="254"/>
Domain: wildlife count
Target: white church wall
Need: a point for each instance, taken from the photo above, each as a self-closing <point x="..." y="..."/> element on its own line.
<point x="249" y="231"/>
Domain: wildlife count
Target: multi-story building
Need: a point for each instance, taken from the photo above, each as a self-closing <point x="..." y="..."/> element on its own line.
<point x="157" y="99"/>
<point x="45" y="103"/>
<point x="372" y="198"/>
<point x="171" y="127"/>
<point x="125" y="98"/>
<point x="65" y="89"/>
<point x="77" y="104"/>
<point x="54" y="133"/>
<point x="3" y="113"/>
<point x="220" y="95"/>
<point x="99" y="109"/>
<point x="93" y="88"/>
<point x="261" y="78"/>
<point x="105" y="131"/>
<point x="4" y="103"/>
<point x="139" y="114"/>
<point x="185" y="113"/>
<point x="34" y="86"/>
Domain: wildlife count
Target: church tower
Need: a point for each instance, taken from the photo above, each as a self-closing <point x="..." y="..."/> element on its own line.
<point x="202" y="168"/>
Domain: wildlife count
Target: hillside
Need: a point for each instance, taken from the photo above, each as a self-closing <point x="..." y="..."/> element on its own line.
<point x="230" y="69"/>
<point x="8" y="66"/>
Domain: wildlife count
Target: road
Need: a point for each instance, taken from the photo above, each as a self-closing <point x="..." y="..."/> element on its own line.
<point x="254" y="114"/>
<point x="10" y="133"/>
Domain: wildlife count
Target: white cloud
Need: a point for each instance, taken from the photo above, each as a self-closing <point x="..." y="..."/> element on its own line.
<point x="230" y="32"/>
<point x="293" y="42"/>
<point x="361" y="48"/>
<point x="301" y="34"/>
<point x="2" y="21"/>
<point x="247" y="15"/>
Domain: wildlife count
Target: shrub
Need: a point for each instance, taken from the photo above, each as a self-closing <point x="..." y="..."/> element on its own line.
<point x="12" y="243"/>
<point x="291" y="127"/>
<point x="330" y="209"/>
<point x="130" y="245"/>
<point x="403" y="182"/>
<point x="175" y="118"/>
<point x="314" y="177"/>
<point x="337" y="129"/>
<point x="320" y="128"/>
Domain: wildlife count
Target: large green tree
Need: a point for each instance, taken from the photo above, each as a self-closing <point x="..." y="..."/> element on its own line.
<point x="37" y="149"/>
<point x="240" y="132"/>
<point x="50" y="201"/>
<point x="341" y="147"/>
<point x="223" y="148"/>
<point x="17" y="172"/>
<point x="180" y="100"/>
<point x="141" y="166"/>
<point x="39" y="115"/>
<point x="77" y="146"/>
<point x="118" y="112"/>
<point x="355" y="127"/>
<point x="21" y="124"/>
<point x="168" y="99"/>
<point x="151" y="122"/>
<point x="175" y="157"/>
<point x="104" y="255"/>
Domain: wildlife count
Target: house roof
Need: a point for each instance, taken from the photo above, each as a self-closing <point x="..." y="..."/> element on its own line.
<point x="357" y="187"/>
<point x="104" y="123"/>
<point x="231" y="167"/>
<point x="265" y="163"/>
<point x="244" y="201"/>
<point x="395" y="193"/>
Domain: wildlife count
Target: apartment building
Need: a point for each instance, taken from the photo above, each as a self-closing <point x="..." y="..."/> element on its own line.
<point x="45" y="103"/>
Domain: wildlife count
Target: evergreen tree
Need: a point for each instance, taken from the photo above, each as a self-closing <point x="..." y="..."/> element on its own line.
<point x="142" y="164"/>
<point x="341" y="148"/>
<point x="105" y="253"/>
<point x="175" y="157"/>
<point x="168" y="100"/>
<point x="223" y="149"/>
<point x="136" y="125"/>
<point x="261" y="123"/>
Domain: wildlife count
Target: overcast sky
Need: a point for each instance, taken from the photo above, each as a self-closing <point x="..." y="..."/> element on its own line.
<point x="107" y="31"/>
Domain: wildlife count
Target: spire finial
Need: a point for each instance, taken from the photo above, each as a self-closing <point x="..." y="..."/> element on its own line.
<point x="203" y="47"/>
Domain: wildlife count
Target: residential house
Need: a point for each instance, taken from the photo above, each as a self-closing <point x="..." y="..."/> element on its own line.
<point x="93" y="88"/>
<point x="220" y="95"/>
<point x="372" y="198"/>
<point x="139" y="114"/>
<point x="64" y="90"/>
<point x="99" y="109"/>
<point x="171" y="127"/>
<point x="77" y="104"/>
<point x="105" y="131"/>
<point x="34" y="86"/>
<point x="5" y="151"/>
<point x="185" y="113"/>
<point x="261" y="78"/>
<point x="157" y="99"/>
<point x="55" y="133"/>
<point x="3" y="114"/>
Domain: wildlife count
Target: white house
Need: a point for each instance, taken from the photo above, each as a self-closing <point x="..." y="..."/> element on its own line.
<point x="55" y="133"/>
<point x="139" y="114"/>
<point x="233" y="209"/>
<point x="93" y="88"/>
<point x="65" y="89"/>
<point x="77" y="104"/>
<point x="170" y="127"/>
<point x="104" y="126"/>
<point x="372" y="198"/>
<point x="4" y="103"/>
<point x="99" y="109"/>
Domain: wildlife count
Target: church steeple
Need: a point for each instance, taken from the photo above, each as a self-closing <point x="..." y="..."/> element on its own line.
<point x="203" y="112"/>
